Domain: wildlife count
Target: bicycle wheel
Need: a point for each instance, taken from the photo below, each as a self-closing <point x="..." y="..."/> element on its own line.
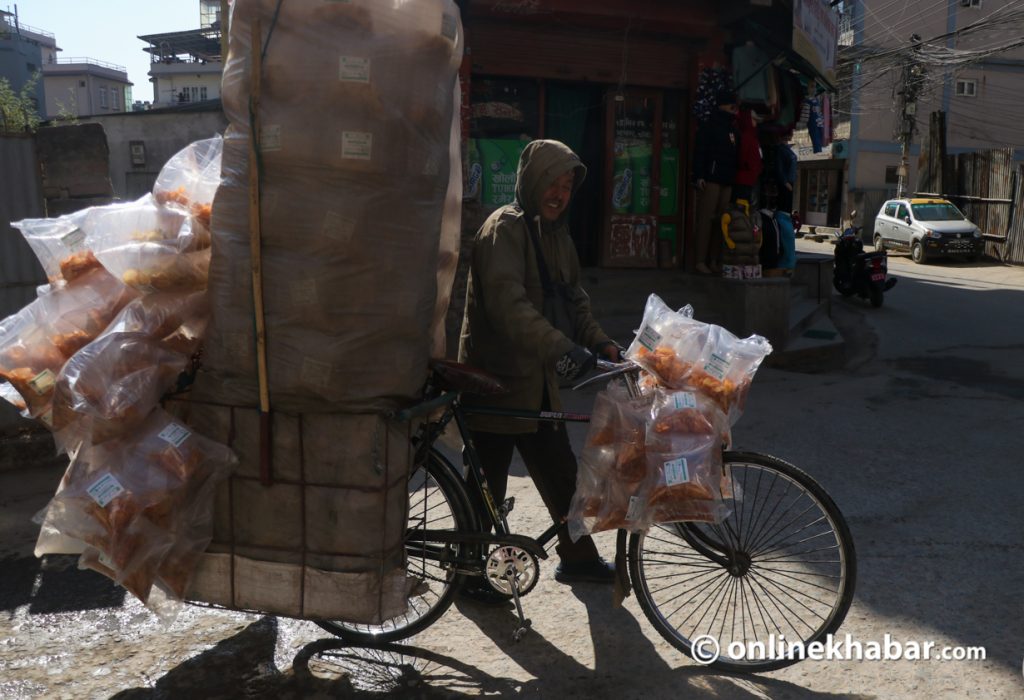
<point x="780" y="569"/>
<point x="437" y="501"/>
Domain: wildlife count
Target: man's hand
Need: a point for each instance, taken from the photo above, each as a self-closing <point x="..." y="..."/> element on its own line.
<point x="611" y="351"/>
<point x="575" y="363"/>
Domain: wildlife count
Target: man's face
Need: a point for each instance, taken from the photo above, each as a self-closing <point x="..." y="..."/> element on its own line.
<point x="556" y="197"/>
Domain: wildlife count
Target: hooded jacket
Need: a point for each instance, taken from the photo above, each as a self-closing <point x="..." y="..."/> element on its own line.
<point x="504" y="331"/>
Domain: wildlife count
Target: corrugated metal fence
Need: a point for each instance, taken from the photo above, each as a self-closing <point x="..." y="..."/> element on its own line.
<point x="20" y="198"/>
<point x="987" y="186"/>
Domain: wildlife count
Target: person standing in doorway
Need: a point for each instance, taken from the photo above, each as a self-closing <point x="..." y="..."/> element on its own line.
<point x="714" y="170"/>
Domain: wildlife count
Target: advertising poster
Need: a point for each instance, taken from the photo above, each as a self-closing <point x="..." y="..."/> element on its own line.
<point x="499" y="159"/>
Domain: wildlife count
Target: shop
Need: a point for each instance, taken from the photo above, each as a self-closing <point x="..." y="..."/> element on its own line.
<point x="619" y="85"/>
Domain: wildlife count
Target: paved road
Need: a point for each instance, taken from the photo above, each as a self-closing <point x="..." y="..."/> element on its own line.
<point x="919" y="440"/>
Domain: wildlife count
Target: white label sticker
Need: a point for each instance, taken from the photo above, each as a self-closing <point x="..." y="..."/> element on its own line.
<point x="449" y="26"/>
<point x="354" y="69"/>
<point x="649" y="338"/>
<point x="105" y="489"/>
<point x="47" y="418"/>
<point x="74" y="239"/>
<point x="684" y="399"/>
<point x="676" y="472"/>
<point x="316" y="373"/>
<point x="338" y="227"/>
<point x="303" y="292"/>
<point x="43" y="382"/>
<point x="175" y="434"/>
<point x="717" y="366"/>
<point x="357" y="145"/>
<point x="635" y="508"/>
<point x="270" y="137"/>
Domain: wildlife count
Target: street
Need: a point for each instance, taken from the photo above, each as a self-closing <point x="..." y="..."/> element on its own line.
<point x="918" y="439"/>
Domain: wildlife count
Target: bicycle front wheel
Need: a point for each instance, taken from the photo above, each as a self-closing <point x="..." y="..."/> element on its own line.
<point x="437" y="501"/>
<point x="779" y="570"/>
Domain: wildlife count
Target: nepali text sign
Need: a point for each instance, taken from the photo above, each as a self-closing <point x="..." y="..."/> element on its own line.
<point x="816" y="35"/>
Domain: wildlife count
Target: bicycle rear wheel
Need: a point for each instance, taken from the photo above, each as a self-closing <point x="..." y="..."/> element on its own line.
<point x="437" y="501"/>
<point x="780" y="569"/>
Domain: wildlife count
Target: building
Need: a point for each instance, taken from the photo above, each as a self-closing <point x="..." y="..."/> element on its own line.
<point x="186" y="66"/>
<point x="81" y="87"/>
<point x="969" y="63"/>
<point x="23" y="52"/>
<point x="67" y="86"/>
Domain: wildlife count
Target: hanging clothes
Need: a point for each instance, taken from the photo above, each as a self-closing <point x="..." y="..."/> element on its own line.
<point x="815" y="124"/>
<point x="771" y="240"/>
<point x="826" y="119"/>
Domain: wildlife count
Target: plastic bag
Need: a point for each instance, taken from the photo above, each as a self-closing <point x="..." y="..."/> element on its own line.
<point x="150" y="247"/>
<point x="682" y="353"/>
<point x="113" y="383"/>
<point x="37" y="341"/>
<point x="188" y="181"/>
<point x="138" y="504"/>
<point x="59" y="245"/>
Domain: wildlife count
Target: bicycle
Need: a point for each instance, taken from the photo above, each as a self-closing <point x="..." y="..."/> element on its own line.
<point x="784" y="552"/>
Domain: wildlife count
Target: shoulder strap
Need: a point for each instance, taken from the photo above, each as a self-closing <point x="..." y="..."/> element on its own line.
<point x="542" y="265"/>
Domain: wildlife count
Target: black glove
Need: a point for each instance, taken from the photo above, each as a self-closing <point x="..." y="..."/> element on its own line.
<point x="575" y="363"/>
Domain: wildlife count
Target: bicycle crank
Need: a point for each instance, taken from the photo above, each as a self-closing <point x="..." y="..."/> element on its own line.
<point x="513" y="571"/>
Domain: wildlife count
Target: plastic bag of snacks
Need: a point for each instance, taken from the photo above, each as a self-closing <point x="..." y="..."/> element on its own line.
<point x="59" y="245"/>
<point x="112" y="384"/>
<point x="685" y="438"/>
<point x="37" y="341"/>
<point x="683" y="353"/>
<point x="138" y="504"/>
<point x="188" y="181"/>
<point x="612" y="466"/>
<point x="150" y="247"/>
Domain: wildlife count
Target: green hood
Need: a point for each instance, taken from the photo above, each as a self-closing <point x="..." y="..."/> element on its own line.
<point x="540" y="164"/>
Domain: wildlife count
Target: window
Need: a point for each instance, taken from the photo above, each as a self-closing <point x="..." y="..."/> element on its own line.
<point x="936" y="211"/>
<point x="970" y="3"/>
<point x="195" y="94"/>
<point x="202" y="93"/>
<point x="892" y="174"/>
<point x="890" y="209"/>
<point x="113" y="98"/>
<point x="902" y="213"/>
<point x="103" y="97"/>
<point x="81" y="83"/>
<point x="966" y="88"/>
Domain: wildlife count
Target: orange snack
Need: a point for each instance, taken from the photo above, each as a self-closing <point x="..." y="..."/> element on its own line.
<point x="78" y="264"/>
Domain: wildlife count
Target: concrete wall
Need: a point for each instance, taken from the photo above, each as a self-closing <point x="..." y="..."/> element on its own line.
<point x="162" y="133"/>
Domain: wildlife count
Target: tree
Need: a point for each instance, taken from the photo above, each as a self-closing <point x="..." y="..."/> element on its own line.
<point x="18" y="109"/>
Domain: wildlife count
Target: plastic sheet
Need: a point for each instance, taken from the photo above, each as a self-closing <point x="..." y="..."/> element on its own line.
<point x="139" y="504"/>
<point x="59" y="245"/>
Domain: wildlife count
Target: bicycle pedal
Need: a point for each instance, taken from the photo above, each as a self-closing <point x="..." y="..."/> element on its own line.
<point x="508" y="505"/>
<point x="521" y="631"/>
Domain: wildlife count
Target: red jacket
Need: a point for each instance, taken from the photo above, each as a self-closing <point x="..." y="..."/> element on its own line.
<point x="749" y="153"/>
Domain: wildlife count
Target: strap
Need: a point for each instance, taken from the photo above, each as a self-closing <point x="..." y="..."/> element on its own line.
<point x="542" y="265"/>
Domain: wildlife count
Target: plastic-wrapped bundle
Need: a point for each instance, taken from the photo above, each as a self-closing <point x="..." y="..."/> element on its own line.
<point x="682" y="353"/>
<point x="112" y="384"/>
<point x="132" y="502"/>
<point x="37" y="341"/>
<point x="189" y="180"/>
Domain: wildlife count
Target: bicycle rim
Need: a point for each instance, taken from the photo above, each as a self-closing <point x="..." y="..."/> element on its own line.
<point x="437" y="501"/>
<point x="794" y="583"/>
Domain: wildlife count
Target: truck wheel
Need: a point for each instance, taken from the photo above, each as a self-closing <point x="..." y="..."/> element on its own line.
<point x="917" y="253"/>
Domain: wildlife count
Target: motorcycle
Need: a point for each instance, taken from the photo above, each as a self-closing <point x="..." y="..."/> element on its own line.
<point x="857" y="272"/>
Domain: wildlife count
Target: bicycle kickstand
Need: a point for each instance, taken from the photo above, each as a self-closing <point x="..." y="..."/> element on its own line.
<point x="524" y="623"/>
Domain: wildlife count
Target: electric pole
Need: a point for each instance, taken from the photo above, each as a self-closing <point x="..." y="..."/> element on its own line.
<point x="913" y="77"/>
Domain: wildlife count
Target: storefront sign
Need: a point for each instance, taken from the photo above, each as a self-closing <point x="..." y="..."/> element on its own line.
<point x="498" y="160"/>
<point x="816" y="35"/>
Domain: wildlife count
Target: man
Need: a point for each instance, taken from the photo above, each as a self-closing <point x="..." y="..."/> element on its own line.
<point x="714" y="169"/>
<point x="505" y="332"/>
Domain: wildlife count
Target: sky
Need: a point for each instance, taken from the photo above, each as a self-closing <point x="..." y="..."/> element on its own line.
<point x="107" y="30"/>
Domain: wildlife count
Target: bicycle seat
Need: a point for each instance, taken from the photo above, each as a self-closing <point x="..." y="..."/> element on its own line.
<point x="455" y="376"/>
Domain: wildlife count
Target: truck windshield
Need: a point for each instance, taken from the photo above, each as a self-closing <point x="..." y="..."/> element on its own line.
<point x="943" y="211"/>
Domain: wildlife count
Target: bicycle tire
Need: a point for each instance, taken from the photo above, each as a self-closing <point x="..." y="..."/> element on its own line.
<point x="438" y="501"/>
<point x="668" y="562"/>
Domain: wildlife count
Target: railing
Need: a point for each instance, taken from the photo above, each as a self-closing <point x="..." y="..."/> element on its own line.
<point x="8" y="25"/>
<point x="91" y="62"/>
